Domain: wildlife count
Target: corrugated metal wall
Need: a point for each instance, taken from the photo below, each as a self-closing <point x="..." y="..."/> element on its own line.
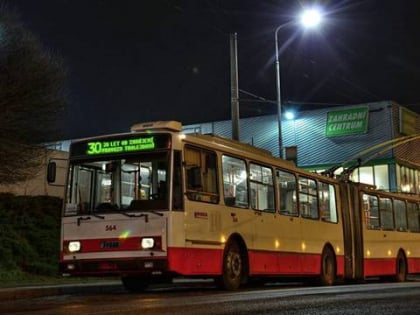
<point x="307" y="132"/>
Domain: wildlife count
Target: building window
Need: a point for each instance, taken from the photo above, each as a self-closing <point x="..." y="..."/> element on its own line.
<point x="366" y="175"/>
<point x="377" y="175"/>
<point x="381" y="178"/>
<point x="408" y="180"/>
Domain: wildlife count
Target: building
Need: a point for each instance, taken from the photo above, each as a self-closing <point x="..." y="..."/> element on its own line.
<point x="324" y="138"/>
<point x="317" y="140"/>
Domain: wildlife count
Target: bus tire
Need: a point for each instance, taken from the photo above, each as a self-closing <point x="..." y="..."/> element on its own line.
<point x="328" y="267"/>
<point x="135" y="284"/>
<point x="401" y="268"/>
<point x="233" y="267"/>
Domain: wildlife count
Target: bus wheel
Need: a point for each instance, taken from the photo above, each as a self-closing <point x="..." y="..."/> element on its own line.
<point x="328" y="269"/>
<point x="401" y="268"/>
<point x="135" y="284"/>
<point x="233" y="268"/>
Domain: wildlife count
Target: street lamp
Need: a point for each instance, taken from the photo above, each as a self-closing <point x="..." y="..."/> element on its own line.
<point x="309" y="18"/>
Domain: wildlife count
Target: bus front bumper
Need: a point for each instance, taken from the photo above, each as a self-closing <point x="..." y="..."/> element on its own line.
<point x="113" y="267"/>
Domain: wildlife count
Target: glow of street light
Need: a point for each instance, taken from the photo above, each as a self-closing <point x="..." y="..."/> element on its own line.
<point x="310" y="18"/>
<point x="289" y="115"/>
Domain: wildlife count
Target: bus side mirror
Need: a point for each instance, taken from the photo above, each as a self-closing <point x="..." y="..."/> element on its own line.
<point x="51" y="172"/>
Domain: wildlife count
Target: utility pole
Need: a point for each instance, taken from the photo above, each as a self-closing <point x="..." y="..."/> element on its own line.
<point x="234" y="88"/>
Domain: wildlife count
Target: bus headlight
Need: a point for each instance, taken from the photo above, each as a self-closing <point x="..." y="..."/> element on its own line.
<point x="74" y="246"/>
<point x="151" y="243"/>
<point x="147" y="243"/>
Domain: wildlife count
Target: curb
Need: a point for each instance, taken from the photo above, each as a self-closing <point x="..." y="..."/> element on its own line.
<point x="53" y="290"/>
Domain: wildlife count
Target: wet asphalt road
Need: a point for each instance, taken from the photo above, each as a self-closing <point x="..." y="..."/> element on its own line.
<point x="202" y="299"/>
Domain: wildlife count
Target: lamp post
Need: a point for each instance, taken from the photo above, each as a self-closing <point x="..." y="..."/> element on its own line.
<point x="309" y="18"/>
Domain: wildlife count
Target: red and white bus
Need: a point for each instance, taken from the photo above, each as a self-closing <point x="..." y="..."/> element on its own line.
<point x="154" y="204"/>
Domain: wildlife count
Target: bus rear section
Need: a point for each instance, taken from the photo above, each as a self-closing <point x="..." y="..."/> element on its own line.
<point x="383" y="233"/>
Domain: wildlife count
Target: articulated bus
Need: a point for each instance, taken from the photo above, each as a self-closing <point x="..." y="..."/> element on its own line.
<point x="154" y="204"/>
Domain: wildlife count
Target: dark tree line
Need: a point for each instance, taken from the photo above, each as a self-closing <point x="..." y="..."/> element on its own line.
<point x="31" y="98"/>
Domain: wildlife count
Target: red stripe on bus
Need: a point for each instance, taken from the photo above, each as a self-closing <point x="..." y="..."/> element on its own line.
<point x="388" y="266"/>
<point x="274" y="263"/>
<point x="413" y="265"/>
<point x="379" y="266"/>
<point x="196" y="261"/>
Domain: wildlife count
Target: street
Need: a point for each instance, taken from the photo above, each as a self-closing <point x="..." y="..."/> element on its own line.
<point x="372" y="298"/>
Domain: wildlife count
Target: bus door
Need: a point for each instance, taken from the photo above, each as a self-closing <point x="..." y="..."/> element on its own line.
<point x="203" y="216"/>
<point x="264" y="259"/>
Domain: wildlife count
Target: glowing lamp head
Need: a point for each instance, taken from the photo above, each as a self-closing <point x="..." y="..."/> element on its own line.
<point x="310" y="18"/>
<point x="289" y="115"/>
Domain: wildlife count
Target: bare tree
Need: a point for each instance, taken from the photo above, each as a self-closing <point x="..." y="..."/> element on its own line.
<point x="31" y="98"/>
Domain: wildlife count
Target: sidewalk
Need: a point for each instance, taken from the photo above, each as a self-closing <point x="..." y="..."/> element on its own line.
<point x="34" y="291"/>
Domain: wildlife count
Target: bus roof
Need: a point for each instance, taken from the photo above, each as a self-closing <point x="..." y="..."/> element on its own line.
<point x="171" y="125"/>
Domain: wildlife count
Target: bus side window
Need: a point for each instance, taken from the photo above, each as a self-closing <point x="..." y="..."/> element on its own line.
<point x="413" y="210"/>
<point x="194" y="178"/>
<point x="235" y="183"/>
<point x="262" y="188"/>
<point x="327" y="202"/>
<point x="371" y="210"/>
<point x="385" y="213"/>
<point x="286" y="183"/>
<point x="400" y="215"/>
<point x="201" y="175"/>
<point x="308" y="198"/>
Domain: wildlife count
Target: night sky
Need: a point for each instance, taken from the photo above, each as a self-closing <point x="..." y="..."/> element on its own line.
<point x="135" y="61"/>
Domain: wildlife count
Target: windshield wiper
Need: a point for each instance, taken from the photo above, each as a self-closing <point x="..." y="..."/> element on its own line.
<point x="155" y="212"/>
<point x="97" y="216"/>
<point x="130" y="215"/>
<point x="79" y="219"/>
<point x="145" y="215"/>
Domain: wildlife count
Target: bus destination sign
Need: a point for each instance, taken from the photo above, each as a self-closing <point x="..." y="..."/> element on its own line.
<point x="120" y="146"/>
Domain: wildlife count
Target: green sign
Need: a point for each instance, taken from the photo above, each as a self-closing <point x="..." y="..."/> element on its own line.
<point x="120" y="146"/>
<point x="347" y="122"/>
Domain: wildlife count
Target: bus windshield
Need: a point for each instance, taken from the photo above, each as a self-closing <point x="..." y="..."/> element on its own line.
<point x="135" y="183"/>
